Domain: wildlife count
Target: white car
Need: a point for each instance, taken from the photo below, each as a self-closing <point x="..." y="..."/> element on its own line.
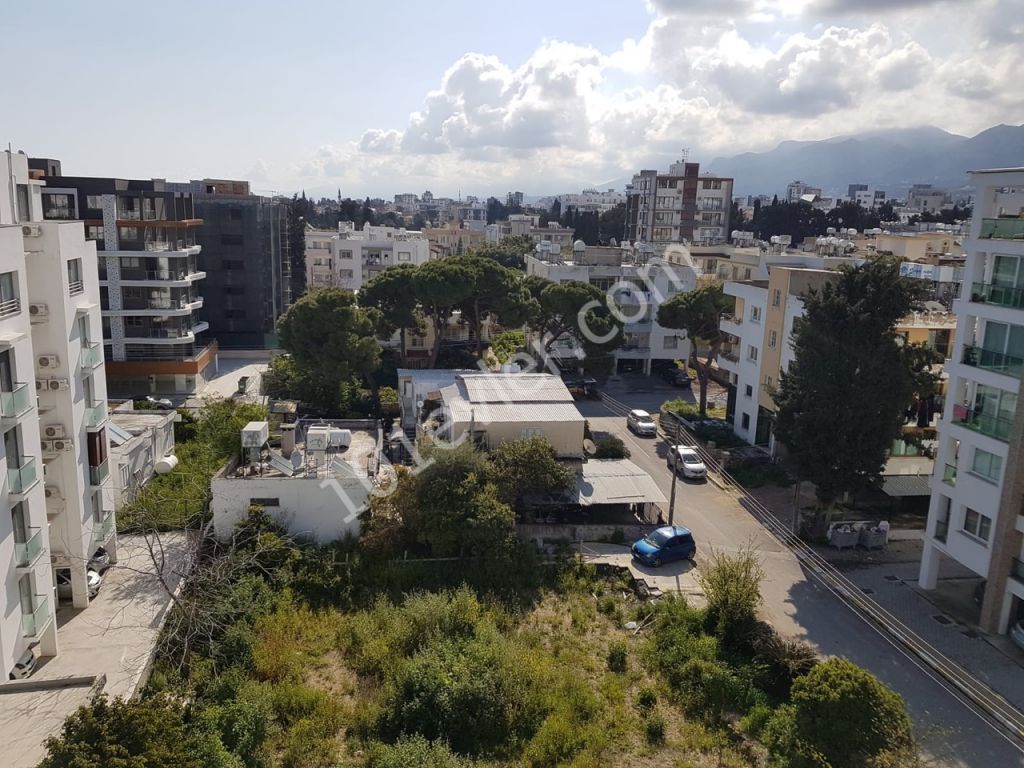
<point x="688" y="462"/>
<point x="641" y="423"/>
<point x="64" y="591"/>
<point x="24" y="666"/>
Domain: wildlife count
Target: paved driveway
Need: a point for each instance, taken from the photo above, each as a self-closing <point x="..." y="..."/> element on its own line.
<point x="679" y="576"/>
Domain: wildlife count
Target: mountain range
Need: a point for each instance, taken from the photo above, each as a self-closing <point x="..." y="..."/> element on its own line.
<point x="887" y="160"/>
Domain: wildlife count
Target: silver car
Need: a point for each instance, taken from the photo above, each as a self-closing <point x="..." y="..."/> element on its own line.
<point x="688" y="463"/>
<point x="641" y="423"/>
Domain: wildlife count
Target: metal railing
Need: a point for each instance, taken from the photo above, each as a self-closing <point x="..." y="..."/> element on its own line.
<point x="161" y="246"/>
<point x="95" y="415"/>
<point x="1017" y="570"/>
<point x="1001" y="295"/>
<point x="949" y="474"/>
<point x="159" y="303"/>
<point x="730" y="317"/>
<point x="21" y="478"/>
<point x="10" y="307"/>
<point x="1002" y="229"/>
<point x="990" y="360"/>
<point x="33" y="624"/>
<point x="98" y="474"/>
<point x="28" y="551"/>
<point x="135" y="273"/>
<point x="75" y="287"/>
<point x="92" y="354"/>
<point x="987" y="424"/>
<point x="16" y="402"/>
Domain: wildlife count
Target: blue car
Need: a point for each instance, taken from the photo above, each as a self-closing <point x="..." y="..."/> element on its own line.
<point x="673" y="542"/>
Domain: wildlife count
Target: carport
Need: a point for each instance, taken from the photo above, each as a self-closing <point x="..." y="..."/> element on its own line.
<point x="617" y="488"/>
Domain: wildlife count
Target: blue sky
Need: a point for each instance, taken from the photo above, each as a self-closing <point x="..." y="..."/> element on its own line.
<point x="543" y="97"/>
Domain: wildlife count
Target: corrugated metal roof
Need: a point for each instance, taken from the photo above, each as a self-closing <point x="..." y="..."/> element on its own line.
<point x="514" y="388"/>
<point x="616" y="481"/>
<point x="527" y="413"/>
<point x="906" y="485"/>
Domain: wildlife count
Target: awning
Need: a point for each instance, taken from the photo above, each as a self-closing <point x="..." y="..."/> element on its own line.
<point x="906" y="485"/>
<point x="615" y="481"/>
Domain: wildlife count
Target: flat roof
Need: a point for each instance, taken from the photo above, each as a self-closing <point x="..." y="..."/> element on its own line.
<point x="998" y="170"/>
<point x="495" y="413"/>
<point x="139" y="421"/>
<point x="615" y="481"/>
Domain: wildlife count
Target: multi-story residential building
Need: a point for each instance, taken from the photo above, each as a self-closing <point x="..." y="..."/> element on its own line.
<point x="590" y="200"/>
<point x="320" y="255"/>
<point x="471" y="215"/>
<point x="452" y="239"/>
<point x="639" y="282"/>
<point x="798" y="190"/>
<point x="925" y="197"/>
<point x="53" y="415"/>
<point x="976" y="517"/>
<point x="349" y="257"/>
<point x="149" y="278"/>
<point x="868" y="198"/>
<point x="246" y="257"/>
<point x="931" y="247"/>
<point x="681" y="206"/>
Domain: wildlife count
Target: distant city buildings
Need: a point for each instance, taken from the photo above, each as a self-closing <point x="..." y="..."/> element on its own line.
<point x="589" y="200"/>
<point x="797" y="191"/>
<point x="349" y="258"/>
<point x="680" y="206"/>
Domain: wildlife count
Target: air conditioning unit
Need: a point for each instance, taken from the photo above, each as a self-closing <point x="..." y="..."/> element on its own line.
<point x="42" y="385"/>
<point x="47" y="361"/>
<point x="61" y="445"/>
<point x="53" y="430"/>
<point x="55" y="384"/>
<point x="53" y="492"/>
<point x="38" y="310"/>
<point x="47" y="446"/>
<point x="31" y="230"/>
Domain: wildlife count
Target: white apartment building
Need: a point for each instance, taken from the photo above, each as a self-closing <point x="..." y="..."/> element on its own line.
<point x="590" y="200"/>
<point x="925" y="197"/>
<point x="640" y="281"/>
<point x="976" y="517"/>
<point x="349" y="258"/>
<point x="796" y="190"/>
<point x="53" y="415"/>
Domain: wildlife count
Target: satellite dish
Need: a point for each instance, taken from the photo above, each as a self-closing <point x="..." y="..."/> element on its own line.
<point x="296" y="459"/>
<point x="589" y="447"/>
<point x="419" y="404"/>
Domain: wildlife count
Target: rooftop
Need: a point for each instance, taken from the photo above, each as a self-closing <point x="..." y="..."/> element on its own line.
<point x="616" y="481"/>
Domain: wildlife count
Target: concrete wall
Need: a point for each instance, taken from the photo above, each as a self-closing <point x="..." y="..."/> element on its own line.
<point x="565" y="436"/>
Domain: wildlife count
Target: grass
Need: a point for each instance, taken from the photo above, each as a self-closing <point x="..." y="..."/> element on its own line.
<point x="759" y="475"/>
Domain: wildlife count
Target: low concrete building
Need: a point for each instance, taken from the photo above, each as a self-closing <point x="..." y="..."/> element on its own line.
<point x="139" y="440"/>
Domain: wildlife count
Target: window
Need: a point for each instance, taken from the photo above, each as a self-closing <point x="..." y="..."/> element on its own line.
<point x="93" y="232"/>
<point x="752" y="353"/>
<point x="23" y="209"/>
<point x="416" y="342"/>
<point x="75" y="277"/>
<point x="745" y="421"/>
<point x="128" y="233"/>
<point x="755" y="314"/>
<point x="768" y="383"/>
<point x="748" y="391"/>
<point x="345" y="274"/>
<point x="93" y="201"/>
<point x="772" y="339"/>
<point x="671" y="342"/>
<point x="977" y="524"/>
<point x="942" y="518"/>
<point x="532" y="432"/>
<point x="346" y="254"/>
<point x="228" y="239"/>
<point x="10" y="302"/>
<point x="987" y="465"/>
<point x="265" y="502"/>
<point x="404" y="256"/>
<point x="777" y="297"/>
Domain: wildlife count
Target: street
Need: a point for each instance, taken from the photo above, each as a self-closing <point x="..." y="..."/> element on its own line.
<point x="949" y="733"/>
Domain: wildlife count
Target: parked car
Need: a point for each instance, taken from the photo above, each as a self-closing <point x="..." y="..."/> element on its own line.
<point x="672" y="542"/>
<point x="688" y="462"/>
<point x="1017" y="634"/>
<point x="677" y="377"/>
<point x="154" y="403"/>
<point x="64" y="591"/>
<point x="100" y="560"/>
<point x="24" y="666"/>
<point x="641" y="423"/>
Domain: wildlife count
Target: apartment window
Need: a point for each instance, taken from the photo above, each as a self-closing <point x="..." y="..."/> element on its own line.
<point x="128" y="233"/>
<point x="671" y="342"/>
<point x="416" y="342"/>
<point x="10" y="302"/>
<point x="404" y="256"/>
<point x="532" y="432"/>
<point x="94" y="201"/>
<point x="987" y="465"/>
<point x="942" y="518"/>
<point x="769" y="382"/>
<point x="745" y="421"/>
<point x="777" y="297"/>
<point x="746" y="273"/>
<point x="93" y="232"/>
<point x="752" y="353"/>
<point x="772" y="339"/>
<point x="131" y="261"/>
<point x="977" y="524"/>
<point x="346" y="254"/>
<point x="23" y="209"/>
<point x="749" y="390"/>
<point x="755" y="314"/>
<point x="345" y="274"/>
<point x="75" y="285"/>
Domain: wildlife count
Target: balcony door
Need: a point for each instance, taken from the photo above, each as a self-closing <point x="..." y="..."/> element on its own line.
<point x="1004" y="339"/>
<point x="12" y="448"/>
<point x="1007" y="272"/>
<point x="18" y="523"/>
<point x="25" y="594"/>
<point x="6" y="371"/>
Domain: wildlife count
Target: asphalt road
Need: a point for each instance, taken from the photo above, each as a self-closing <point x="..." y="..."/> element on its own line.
<point x="949" y="732"/>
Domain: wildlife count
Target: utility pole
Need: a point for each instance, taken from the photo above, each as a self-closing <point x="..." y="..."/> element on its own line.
<point x="675" y="476"/>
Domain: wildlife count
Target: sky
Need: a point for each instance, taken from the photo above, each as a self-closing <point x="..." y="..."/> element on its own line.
<point x="469" y="98"/>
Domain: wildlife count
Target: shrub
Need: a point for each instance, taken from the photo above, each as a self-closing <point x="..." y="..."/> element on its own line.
<point x="611" y="447"/>
<point x="654" y="729"/>
<point x="708" y="689"/>
<point x="680" y="407"/>
<point x="754" y="721"/>
<point x="646" y="698"/>
<point x="781" y="661"/>
<point x="842" y="715"/>
<point x="414" y="752"/>
<point x="617" y="657"/>
<point x="732" y="585"/>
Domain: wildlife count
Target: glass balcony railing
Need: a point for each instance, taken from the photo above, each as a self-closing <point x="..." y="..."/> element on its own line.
<point x="103" y="529"/>
<point x="92" y="354"/>
<point x="987" y="424"/>
<point x="33" y="624"/>
<point x="21" y="478"/>
<point x="1017" y="570"/>
<point x="97" y="475"/>
<point x="941" y="530"/>
<point x="949" y="474"/>
<point x="990" y="360"/>
<point x="27" y="552"/>
<point x="1001" y="295"/>
<point x="1002" y="229"/>
<point x="16" y="402"/>
<point x="95" y="415"/>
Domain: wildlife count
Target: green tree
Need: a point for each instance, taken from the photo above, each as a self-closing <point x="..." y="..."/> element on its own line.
<point x="841" y="716"/>
<point x="698" y="313"/>
<point x="528" y="466"/>
<point x="506" y="344"/>
<point x="610" y="447"/>
<point x="133" y="733"/>
<point x="221" y="421"/>
<point x="849" y="378"/>
<point x="330" y="339"/>
<point x="732" y="585"/>
<point x="510" y="252"/>
<point x="284" y="379"/>
<point x="578" y="310"/>
<point x="799" y="220"/>
<point x="392" y="293"/>
<point x="441" y="287"/>
<point x="495" y="292"/>
<point x="849" y="214"/>
<point x="612" y="224"/>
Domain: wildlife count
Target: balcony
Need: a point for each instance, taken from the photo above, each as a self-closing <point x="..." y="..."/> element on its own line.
<point x="1000" y="295"/>
<point x="98" y="475"/>
<point x="949" y="474"/>
<point x="26" y="553"/>
<point x="10" y="307"/>
<point x="103" y="530"/>
<point x="990" y="360"/>
<point x="33" y="624"/>
<point x="95" y="415"/>
<point x="92" y="354"/>
<point x="138" y="275"/>
<point x="15" y="403"/>
<point x="1002" y="229"/>
<point x="1017" y="570"/>
<point x="987" y="424"/>
<point x="20" y="479"/>
<point x="941" y="530"/>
